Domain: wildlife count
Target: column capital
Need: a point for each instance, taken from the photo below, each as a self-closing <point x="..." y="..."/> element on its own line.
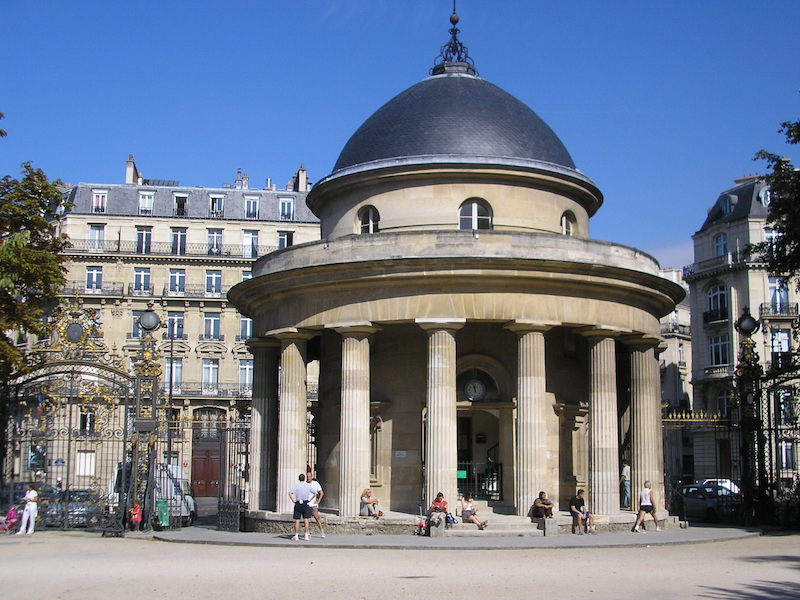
<point x="525" y="326"/>
<point x="444" y="323"/>
<point x="291" y="333"/>
<point x="255" y="343"/>
<point x="602" y="331"/>
<point x="646" y="340"/>
<point x="354" y="328"/>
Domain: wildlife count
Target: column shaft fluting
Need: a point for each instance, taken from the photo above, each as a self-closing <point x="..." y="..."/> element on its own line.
<point x="292" y="424"/>
<point x="354" y="450"/>
<point x="603" y="428"/>
<point x="647" y="456"/>
<point x="531" y="455"/>
<point x="441" y="454"/>
<point x="264" y="425"/>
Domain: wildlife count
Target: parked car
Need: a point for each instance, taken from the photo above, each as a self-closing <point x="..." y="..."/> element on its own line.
<point x="726" y="483"/>
<point x="707" y="502"/>
<point x="73" y="508"/>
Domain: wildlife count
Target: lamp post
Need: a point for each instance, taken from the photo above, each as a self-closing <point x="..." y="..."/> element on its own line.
<point x="748" y="386"/>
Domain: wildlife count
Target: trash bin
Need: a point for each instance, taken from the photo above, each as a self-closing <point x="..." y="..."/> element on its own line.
<point x="162" y="510"/>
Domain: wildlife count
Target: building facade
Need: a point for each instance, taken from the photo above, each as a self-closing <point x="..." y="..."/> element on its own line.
<point x="180" y="249"/>
<point x="724" y="280"/>
<point x="470" y="334"/>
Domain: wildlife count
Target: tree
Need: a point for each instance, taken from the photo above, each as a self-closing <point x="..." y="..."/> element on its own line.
<point x="782" y="253"/>
<point x="32" y="263"/>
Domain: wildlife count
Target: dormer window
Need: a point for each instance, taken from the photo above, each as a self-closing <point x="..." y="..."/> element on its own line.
<point x="765" y="196"/>
<point x="146" y="200"/>
<point x="369" y="219"/>
<point x="474" y="214"/>
<point x="180" y="206"/>
<point x="286" y="206"/>
<point x="567" y="223"/>
<point x="251" y="207"/>
<point x="216" y="207"/>
<point x="727" y="205"/>
<point x="721" y="244"/>
<point x="99" y="199"/>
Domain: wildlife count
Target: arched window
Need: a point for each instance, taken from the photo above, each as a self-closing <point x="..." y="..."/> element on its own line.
<point x="717" y="304"/>
<point x="567" y="223"/>
<point x="721" y="244"/>
<point x="369" y="219"/>
<point x="475" y="213"/>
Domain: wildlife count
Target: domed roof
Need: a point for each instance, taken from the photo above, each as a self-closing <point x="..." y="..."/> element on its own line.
<point x="454" y="114"/>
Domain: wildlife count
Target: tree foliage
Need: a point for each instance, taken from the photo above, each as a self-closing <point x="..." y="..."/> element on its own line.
<point x="32" y="263"/>
<point x="783" y="253"/>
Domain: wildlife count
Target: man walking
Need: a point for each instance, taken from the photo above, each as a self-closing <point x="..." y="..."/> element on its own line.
<point x="314" y="501"/>
<point x="300" y="494"/>
<point x="647" y="504"/>
<point x="625" y="483"/>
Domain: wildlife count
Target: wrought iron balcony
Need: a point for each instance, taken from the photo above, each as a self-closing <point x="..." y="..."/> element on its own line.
<point x="178" y="335"/>
<point x="196" y="291"/>
<point x="726" y="260"/>
<point x="716" y="315"/>
<point x="211" y="337"/>
<point x="106" y="288"/>
<point x="676" y="328"/>
<point x="785" y="309"/>
<point x="140" y="290"/>
<point x="134" y="247"/>
<point x="202" y="388"/>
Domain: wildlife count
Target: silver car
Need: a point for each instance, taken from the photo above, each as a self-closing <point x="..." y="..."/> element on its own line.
<point x="706" y="502"/>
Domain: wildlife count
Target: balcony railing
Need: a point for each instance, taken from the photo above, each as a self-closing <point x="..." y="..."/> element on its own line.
<point x="211" y="337"/>
<point x="179" y="335"/>
<point x="200" y="388"/>
<point x="716" y="315"/>
<point x="787" y="309"/>
<point x="140" y="290"/>
<point x="107" y="288"/>
<point x="169" y="249"/>
<point x="196" y="291"/>
<point x="676" y="328"/>
<point x="717" y="370"/>
<point x="727" y="259"/>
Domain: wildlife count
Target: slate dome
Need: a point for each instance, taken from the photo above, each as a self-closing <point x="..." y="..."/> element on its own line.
<point x="455" y="115"/>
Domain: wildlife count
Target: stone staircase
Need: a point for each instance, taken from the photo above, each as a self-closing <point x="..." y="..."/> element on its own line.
<point x="500" y="523"/>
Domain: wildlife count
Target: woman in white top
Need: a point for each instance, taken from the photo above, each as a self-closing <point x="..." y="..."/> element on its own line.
<point x="468" y="512"/>
<point x="31" y="510"/>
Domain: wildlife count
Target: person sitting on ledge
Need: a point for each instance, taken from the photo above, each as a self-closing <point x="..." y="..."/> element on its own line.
<point x="581" y="517"/>
<point x="369" y="505"/>
<point x="438" y="510"/>
<point x="469" y="514"/>
<point x="542" y="507"/>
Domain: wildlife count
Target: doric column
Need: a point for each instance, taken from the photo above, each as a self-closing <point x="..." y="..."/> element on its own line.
<point x="264" y="423"/>
<point x="441" y="445"/>
<point x="603" y="424"/>
<point x="354" y="450"/>
<point x="531" y="454"/>
<point x="647" y="451"/>
<point x="292" y="423"/>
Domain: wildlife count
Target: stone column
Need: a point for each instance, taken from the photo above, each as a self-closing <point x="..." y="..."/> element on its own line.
<point x="603" y="426"/>
<point x="292" y="409"/>
<point x="441" y="444"/>
<point x="264" y="423"/>
<point x="647" y="451"/>
<point x="354" y="450"/>
<point x="531" y="454"/>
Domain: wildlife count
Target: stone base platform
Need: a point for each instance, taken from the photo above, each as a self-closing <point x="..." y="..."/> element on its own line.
<point x="396" y="523"/>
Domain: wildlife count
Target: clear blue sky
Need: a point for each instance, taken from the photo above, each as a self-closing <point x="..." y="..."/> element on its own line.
<point x="661" y="104"/>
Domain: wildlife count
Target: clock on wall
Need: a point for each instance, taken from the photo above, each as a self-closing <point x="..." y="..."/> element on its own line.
<point x="474" y="390"/>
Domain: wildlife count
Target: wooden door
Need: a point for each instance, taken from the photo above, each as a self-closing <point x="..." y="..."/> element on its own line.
<point x="205" y="472"/>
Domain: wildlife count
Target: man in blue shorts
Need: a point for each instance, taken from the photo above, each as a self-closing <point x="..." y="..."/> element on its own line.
<point x="300" y="494"/>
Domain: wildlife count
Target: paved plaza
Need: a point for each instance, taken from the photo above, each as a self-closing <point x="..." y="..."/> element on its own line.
<point x="728" y="564"/>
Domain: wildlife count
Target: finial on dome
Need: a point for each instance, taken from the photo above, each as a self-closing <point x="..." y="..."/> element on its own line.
<point x="454" y="56"/>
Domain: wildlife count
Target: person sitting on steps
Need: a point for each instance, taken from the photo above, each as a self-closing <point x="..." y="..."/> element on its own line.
<point x="469" y="514"/>
<point x="438" y="510"/>
<point x="542" y="507"/>
<point x="369" y="505"/>
<point x="581" y="517"/>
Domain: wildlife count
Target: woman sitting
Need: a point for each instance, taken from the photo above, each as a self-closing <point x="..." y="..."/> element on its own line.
<point x="469" y="514"/>
<point x="542" y="507"/>
<point x="438" y="510"/>
<point x="369" y="505"/>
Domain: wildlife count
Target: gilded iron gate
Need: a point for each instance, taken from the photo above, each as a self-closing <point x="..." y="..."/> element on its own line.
<point x="234" y="475"/>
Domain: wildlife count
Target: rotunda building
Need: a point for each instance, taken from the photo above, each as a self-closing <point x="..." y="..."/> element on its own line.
<point x="470" y="334"/>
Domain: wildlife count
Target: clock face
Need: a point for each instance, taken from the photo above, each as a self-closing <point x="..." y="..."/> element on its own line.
<point x="474" y="390"/>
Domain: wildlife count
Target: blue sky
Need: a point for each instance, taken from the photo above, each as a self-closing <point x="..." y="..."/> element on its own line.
<point x="661" y="104"/>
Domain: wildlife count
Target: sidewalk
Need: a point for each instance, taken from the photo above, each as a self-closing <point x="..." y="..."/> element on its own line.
<point x="693" y="535"/>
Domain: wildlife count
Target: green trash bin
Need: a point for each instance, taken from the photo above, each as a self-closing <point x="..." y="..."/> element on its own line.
<point x="162" y="510"/>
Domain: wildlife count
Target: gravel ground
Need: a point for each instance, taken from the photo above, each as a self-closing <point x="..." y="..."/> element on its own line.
<point x="66" y="565"/>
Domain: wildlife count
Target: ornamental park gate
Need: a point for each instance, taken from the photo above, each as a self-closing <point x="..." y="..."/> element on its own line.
<point x="93" y="439"/>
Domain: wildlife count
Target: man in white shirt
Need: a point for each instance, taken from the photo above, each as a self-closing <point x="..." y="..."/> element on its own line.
<point x="31" y="510"/>
<point x="300" y="494"/>
<point x="625" y="483"/>
<point x="314" y="501"/>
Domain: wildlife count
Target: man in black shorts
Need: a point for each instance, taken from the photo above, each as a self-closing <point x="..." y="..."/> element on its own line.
<point x="300" y="495"/>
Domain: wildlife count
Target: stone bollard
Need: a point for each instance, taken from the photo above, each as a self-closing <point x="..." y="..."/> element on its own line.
<point x="548" y="526"/>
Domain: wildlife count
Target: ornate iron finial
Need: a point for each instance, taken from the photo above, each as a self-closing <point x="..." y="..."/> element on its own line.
<point x="454" y="56"/>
